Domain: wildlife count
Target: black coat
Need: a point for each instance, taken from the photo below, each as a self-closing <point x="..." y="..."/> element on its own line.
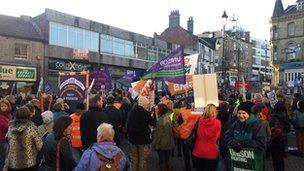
<point x="115" y="119"/>
<point x="282" y="120"/>
<point x="89" y="122"/>
<point x="67" y="162"/>
<point x="37" y="118"/>
<point x="138" y="126"/>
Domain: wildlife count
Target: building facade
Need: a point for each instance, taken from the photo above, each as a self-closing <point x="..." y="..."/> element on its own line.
<point x="21" y="55"/>
<point x="287" y="38"/>
<point x="99" y="46"/>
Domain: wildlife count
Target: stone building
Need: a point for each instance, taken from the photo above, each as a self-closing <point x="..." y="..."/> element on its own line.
<point x="287" y="39"/>
<point x="21" y="55"/>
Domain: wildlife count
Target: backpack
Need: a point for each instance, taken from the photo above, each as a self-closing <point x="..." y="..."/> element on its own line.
<point x="109" y="164"/>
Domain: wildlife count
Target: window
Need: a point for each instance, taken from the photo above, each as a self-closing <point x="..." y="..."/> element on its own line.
<point x="110" y="44"/>
<point x="300" y="5"/>
<point x="73" y="37"/>
<point x="21" y="51"/>
<point x="291" y="29"/>
<point x="288" y="76"/>
<point x="275" y="32"/>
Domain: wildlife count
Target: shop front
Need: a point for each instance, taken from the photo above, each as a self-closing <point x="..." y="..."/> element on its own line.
<point x="17" y="79"/>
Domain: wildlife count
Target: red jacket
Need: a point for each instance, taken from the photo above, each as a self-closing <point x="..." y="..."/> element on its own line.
<point x="4" y="121"/>
<point x="208" y="132"/>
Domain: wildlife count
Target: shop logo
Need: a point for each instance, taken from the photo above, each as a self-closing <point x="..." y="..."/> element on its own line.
<point x="25" y="73"/>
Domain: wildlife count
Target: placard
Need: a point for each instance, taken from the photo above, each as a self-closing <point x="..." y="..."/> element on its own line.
<point x="246" y="160"/>
<point x="205" y="90"/>
<point x="272" y="98"/>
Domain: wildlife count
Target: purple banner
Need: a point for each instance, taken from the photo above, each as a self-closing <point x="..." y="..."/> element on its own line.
<point x="72" y="87"/>
<point x="170" y="68"/>
<point x="102" y="79"/>
<point x="129" y="76"/>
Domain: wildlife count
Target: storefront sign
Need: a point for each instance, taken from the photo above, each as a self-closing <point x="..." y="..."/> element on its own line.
<point x="17" y="73"/>
<point x="72" y="87"/>
<point x="246" y="159"/>
<point x="80" y="54"/>
<point x="68" y="65"/>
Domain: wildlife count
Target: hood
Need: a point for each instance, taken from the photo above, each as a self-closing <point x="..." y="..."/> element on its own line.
<point x="107" y="149"/>
<point x="207" y="129"/>
<point x="251" y="119"/>
<point x="18" y="126"/>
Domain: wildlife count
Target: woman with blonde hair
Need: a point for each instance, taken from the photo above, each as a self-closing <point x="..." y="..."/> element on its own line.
<point x="205" y="146"/>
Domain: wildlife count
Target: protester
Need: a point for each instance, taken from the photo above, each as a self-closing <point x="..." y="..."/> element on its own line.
<point x="298" y="123"/>
<point x="75" y="131"/>
<point x="94" y="157"/>
<point x="57" y="150"/>
<point x="5" y="117"/>
<point x="257" y="110"/>
<point x="279" y="124"/>
<point x="24" y="142"/>
<point x="90" y="121"/>
<point x="37" y="118"/>
<point x="12" y="100"/>
<point x="47" y="126"/>
<point x="205" y="147"/>
<point x="58" y="111"/>
<point x="247" y="131"/>
<point x="112" y="110"/>
<point x="163" y="141"/>
<point x="139" y="134"/>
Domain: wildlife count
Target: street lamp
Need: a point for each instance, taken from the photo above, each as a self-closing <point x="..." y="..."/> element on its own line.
<point x="224" y="75"/>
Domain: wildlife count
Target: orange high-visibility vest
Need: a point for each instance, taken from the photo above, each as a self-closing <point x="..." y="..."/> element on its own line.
<point x="189" y="120"/>
<point x="75" y="131"/>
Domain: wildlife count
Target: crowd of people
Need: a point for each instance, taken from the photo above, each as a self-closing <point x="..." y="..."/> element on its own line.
<point x="45" y="133"/>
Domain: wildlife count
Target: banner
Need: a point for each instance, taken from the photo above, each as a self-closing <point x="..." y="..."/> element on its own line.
<point x="170" y="68"/>
<point x="176" y="89"/>
<point x="129" y="76"/>
<point x="190" y="64"/>
<point x="72" y="87"/>
<point x="102" y="79"/>
<point x="246" y="159"/>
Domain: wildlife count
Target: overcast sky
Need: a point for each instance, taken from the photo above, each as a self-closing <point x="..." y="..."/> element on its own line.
<point x="149" y="16"/>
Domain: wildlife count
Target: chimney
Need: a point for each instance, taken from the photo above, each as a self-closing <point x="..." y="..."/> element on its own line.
<point x="247" y="36"/>
<point x="26" y="18"/>
<point x="190" y="25"/>
<point x="174" y="18"/>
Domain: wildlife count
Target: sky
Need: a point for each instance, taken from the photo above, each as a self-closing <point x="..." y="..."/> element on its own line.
<point x="149" y="16"/>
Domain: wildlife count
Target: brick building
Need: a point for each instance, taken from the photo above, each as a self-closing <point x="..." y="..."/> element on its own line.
<point x="21" y="55"/>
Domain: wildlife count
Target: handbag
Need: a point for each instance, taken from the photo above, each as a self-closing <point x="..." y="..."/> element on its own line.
<point x="190" y="141"/>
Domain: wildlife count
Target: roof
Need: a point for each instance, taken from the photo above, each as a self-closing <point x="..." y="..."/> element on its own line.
<point x="177" y="35"/>
<point x="278" y="9"/>
<point x="291" y="9"/>
<point x="18" y="27"/>
<point x="292" y="65"/>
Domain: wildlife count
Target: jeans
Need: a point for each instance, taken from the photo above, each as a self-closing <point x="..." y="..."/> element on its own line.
<point x="139" y="157"/>
<point x="163" y="157"/>
<point x="3" y="152"/>
<point x="187" y="153"/>
<point x="76" y="152"/>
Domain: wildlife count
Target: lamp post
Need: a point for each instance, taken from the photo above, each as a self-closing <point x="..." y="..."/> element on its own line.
<point x="224" y="74"/>
<point x="266" y="48"/>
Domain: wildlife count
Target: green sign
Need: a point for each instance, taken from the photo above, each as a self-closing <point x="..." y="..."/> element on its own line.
<point x="25" y="73"/>
<point x="246" y="160"/>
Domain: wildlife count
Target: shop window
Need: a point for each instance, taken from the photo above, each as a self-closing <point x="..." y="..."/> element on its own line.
<point x="21" y="51"/>
<point x="291" y="29"/>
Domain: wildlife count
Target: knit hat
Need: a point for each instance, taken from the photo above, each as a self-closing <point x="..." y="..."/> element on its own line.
<point x="245" y="106"/>
<point x="144" y="102"/>
<point x="47" y="117"/>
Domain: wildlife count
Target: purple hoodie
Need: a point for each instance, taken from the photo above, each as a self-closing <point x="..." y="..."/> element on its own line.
<point x="90" y="162"/>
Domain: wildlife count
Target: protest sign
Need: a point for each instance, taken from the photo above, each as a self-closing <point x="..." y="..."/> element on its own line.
<point x="246" y="160"/>
<point x="272" y="98"/>
<point x="102" y="79"/>
<point x="205" y="90"/>
<point x="190" y="64"/>
<point x="176" y="89"/>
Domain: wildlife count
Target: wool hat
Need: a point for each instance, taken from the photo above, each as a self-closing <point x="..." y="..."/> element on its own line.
<point x="245" y="106"/>
<point x="47" y="117"/>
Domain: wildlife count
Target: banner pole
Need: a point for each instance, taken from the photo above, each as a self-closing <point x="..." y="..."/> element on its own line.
<point x="88" y="93"/>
